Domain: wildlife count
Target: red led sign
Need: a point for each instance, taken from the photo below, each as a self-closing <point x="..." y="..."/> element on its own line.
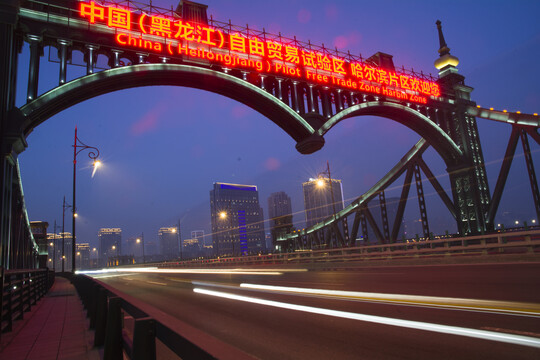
<point x="164" y="36"/>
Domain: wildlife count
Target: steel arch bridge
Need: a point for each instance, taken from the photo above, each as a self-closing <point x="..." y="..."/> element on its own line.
<point x="304" y="89"/>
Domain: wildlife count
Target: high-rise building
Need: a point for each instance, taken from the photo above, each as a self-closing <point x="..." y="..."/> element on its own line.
<point x="237" y="219"/>
<point x="169" y="242"/>
<point x="110" y="244"/>
<point x="280" y="214"/>
<point x="322" y="199"/>
<point x="53" y="251"/>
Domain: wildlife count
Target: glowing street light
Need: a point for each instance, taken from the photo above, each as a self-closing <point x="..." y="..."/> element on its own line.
<point x="223" y="215"/>
<point x="321" y="183"/>
<point x="93" y="154"/>
<point x="141" y="241"/>
<point x="65" y="206"/>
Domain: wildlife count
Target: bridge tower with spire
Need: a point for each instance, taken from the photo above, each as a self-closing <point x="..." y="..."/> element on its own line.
<point x="469" y="181"/>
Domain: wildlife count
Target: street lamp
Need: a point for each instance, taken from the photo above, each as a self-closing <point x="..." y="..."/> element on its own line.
<point x="321" y="183"/>
<point x="92" y="263"/>
<point x="79" y="146"/>
<point x="64" y="207"/>
<point x="223" y="215"/>
<point x="141" y="240"/>
<point x="178" y="238"/>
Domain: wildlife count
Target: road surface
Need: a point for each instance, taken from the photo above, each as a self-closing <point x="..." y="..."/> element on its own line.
<point x="489" y="311"/>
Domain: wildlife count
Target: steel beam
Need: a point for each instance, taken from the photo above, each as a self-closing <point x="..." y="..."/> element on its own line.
<point x="421" y="200"/>
<point x="532" y="173"/>
<point x="373" y="224"/>
<point x="503" y="174"/>
<point x="63" y="55"/>
<point x="437" y="186"/>
<point x="384" y="215"/>
<point x="33" y="70"/>
<point x="402" y="203"/>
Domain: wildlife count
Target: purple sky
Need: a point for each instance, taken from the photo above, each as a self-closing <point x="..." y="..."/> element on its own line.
<point x="163" y="147"/>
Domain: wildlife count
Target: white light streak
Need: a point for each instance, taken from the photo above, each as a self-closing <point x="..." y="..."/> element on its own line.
<point x="193" y="271"/>
<point x="470" y="304"/>
<point x="417" y="325"/>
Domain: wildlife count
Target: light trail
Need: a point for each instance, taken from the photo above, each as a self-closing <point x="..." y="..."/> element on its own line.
<point x="529" y="309"/>
<point x="192" y="271"/>
<point x="417" y="325"/>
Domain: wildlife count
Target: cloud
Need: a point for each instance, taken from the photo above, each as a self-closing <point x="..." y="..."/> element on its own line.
<point x="343" y="42"/>
<point x="331" y="11"/>
<point x="304" y="16"/>
<point x="148" y="122"/>
<point x="239" y="111"/>
<point x="272" y="164"/>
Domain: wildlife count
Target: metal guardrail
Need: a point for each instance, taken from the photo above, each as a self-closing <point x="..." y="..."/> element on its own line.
<point x="501" y="243"/>
<point x="21" y="289"/>
<point x="127" y="326"/>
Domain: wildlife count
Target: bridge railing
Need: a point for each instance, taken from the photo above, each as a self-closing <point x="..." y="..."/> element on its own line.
<point x="512" y="242"/>
<point x="21" y="289"/>
<point x="127" y="326"/>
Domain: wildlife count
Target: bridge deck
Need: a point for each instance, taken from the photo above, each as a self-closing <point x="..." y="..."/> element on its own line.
<point x="56" y="328"/>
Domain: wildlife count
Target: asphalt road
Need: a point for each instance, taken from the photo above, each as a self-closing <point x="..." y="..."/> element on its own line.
<point x="484" y="310"/>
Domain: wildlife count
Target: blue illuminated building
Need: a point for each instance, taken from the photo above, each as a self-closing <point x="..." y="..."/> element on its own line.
<point x="237" y="220"/>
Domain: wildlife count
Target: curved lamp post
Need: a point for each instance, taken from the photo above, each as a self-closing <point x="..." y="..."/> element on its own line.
<point x="320" y="183"/>
<point x="65" y="206"/>
<point x="79" y="146"/>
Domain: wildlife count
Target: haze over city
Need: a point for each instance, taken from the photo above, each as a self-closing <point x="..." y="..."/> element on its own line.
<point x="163" y="147"/>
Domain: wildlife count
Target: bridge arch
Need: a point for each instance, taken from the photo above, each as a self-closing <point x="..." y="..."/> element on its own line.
<point x="89" y="86"/>
<point x="414" y="120"/>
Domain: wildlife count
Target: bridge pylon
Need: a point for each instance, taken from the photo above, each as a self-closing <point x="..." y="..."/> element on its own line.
<point x="470" y="187"/>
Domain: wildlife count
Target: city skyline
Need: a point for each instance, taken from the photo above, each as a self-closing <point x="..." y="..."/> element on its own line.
<point x="184" y="128"/>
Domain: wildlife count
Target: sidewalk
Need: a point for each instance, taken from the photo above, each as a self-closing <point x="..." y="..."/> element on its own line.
<point x="55" y="328"/>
